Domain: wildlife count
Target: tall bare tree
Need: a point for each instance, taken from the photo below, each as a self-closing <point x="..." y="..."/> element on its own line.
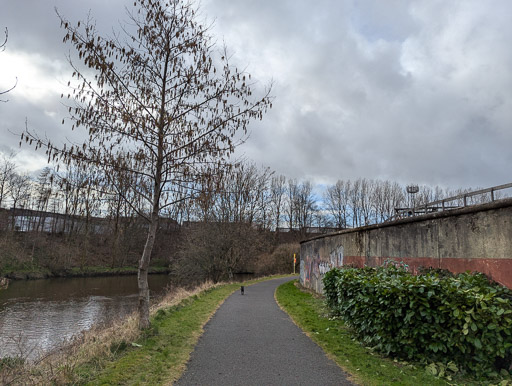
<point x="386" y="197"/>
<point x="355" y="199"/>
<point x="7" y="169"/>
<point x="292" y="194"/>
<point x="164" y="104"/>
<point x="241" y="192"/>
<point x="365" y="204"/>
<point x="277" y="195"/>
<point x="20" y="187"/>
<point x="305" y="205"/>
<point x="336" y="201"/>
<point x="43" y="192"/>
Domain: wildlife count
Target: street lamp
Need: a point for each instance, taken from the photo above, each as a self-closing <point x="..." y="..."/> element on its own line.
<point x="412" y="190"/>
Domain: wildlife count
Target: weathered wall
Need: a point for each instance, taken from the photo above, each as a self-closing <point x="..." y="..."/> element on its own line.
<point x="477" y="238"/>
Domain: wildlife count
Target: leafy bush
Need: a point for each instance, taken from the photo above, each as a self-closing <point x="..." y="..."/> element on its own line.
<point x="430" y="317"/>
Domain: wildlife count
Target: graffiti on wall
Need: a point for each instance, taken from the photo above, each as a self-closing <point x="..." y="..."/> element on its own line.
<point x="336" y="256"/>
<point x="313" y="268"/>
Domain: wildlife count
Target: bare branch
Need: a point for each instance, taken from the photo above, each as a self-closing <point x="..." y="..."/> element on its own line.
<point x="162" y="109"/>
<point x="2" y="49"/>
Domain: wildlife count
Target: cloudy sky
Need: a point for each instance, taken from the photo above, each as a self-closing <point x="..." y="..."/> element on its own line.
<point x="411" y="91"/>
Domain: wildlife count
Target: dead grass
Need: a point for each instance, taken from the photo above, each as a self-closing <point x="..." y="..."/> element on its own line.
<point x="91" y="348"/>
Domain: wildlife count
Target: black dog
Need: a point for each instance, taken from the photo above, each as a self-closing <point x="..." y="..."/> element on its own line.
<point x="242" y="290"/>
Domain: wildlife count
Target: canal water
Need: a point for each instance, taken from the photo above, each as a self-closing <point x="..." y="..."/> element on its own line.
<point x="38" y="315"/>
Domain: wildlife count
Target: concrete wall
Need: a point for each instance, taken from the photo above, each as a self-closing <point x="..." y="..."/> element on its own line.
<point x="477" y="238"/>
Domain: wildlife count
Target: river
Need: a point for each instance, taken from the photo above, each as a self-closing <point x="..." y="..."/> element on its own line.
<point x="38" y="315"/>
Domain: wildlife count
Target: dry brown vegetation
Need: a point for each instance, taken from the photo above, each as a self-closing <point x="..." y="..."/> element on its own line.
<point x="280" y="261"/>
<point x="92" y="348"/>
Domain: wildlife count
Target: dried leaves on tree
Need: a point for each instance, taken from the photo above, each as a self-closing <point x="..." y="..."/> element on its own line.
<point x="161" y="104"/>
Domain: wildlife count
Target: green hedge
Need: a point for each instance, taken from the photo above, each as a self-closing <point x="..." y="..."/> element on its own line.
<point x="430" y="317"/>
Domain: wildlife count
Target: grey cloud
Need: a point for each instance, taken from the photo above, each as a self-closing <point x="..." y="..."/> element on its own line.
<point x="413" y="91"/>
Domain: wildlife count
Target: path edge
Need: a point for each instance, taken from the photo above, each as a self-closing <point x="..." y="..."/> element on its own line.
<point x="350" y="376"/>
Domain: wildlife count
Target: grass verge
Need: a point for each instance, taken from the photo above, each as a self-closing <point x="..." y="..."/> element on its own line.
<point x="121" y="354"/>
<point x="160" y="356"/>
<point x="363" y="365"/>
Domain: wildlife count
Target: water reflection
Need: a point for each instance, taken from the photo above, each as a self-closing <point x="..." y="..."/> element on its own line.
<point x="38" y="315"/>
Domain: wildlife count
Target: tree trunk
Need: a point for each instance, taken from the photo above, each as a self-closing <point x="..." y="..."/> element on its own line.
<point x="14" y="216"/>
<point x="142" y="275"/>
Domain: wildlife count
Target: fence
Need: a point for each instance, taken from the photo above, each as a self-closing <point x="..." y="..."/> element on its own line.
<point x="447" y="203"/>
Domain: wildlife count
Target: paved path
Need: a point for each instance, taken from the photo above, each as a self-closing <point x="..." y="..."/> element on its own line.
<point x="251" y="341"/>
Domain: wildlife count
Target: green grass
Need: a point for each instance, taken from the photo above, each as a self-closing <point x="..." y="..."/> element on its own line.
<point x="173" y="336"/>
<point x="22" y="267"/>
<point x="159" y="357"/>
<point x="363" y="365"/>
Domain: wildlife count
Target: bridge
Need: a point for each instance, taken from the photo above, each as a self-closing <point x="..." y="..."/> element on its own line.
<point x="466" y="238"/>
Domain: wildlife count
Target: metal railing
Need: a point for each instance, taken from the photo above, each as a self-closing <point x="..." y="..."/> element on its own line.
<point x="442" y="205"/>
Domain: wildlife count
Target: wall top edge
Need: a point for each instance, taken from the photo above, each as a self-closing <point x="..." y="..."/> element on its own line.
<point x="498" y="204"/>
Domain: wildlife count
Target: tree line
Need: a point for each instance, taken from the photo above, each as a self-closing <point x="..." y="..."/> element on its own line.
<point x="246" y="193"/>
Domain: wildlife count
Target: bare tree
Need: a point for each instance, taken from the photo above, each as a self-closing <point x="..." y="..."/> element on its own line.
<point x="72" y="186"/>
<point x="395" y="199"/>
<point x="240" y="196"/>
<point x="205" y="199"/>
<point x="277" y="191"/>
<point x="217" y="250"/>
<point x="2" y="48"/>
<point x="231" y="231"/>
<point x="336" y="202"/>
<point x="292" y="192"/>
<point x="365" y="204"/>
<point x="20" y="188"/>
<point x="305" y="205"/>
<point x="300" y="204"/>
<point x="163" y="105"/>
<point x="182" y="209"/>
<point x="43" y="192"/>
<point x="355" y="199"/>
<point x="7" y="169"/>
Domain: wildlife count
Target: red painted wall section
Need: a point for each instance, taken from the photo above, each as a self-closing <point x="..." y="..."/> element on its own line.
<point x="475" y="239"/>
<point x="499" y="270"/>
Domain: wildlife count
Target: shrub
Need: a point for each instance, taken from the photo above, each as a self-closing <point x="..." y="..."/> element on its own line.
<point x="430" y="317"/>
<point x="280" y="261"/>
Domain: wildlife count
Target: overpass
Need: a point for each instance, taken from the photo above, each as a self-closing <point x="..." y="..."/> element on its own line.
<point x="472" y="238"/>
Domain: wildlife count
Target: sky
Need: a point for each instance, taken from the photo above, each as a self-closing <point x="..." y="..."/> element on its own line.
<point x="415" y="91"/>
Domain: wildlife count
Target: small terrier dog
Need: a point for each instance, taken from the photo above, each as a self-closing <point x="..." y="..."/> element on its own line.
<point x="242" y="290"/>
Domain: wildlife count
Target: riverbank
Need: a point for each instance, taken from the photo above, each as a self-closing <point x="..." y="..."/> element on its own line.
<point x="122" y="352"/>
<point x="36" y="273"/>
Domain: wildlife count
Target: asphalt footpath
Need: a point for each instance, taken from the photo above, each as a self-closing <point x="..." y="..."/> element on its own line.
<point x="251" y="341"/>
